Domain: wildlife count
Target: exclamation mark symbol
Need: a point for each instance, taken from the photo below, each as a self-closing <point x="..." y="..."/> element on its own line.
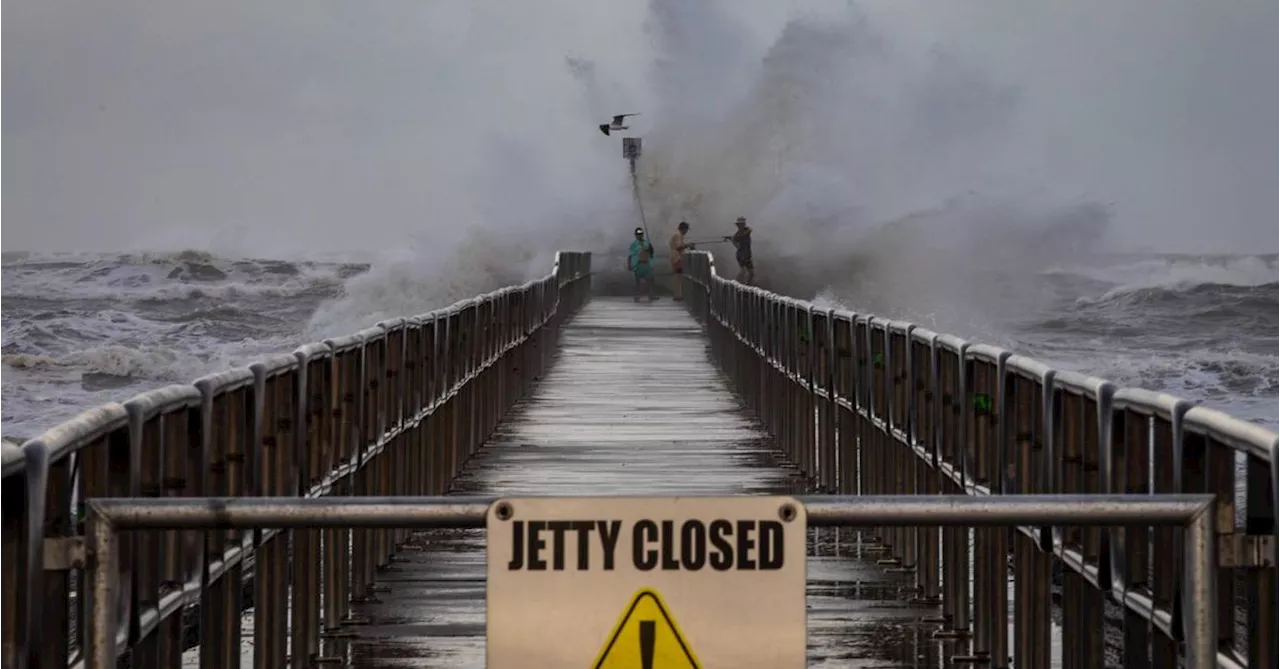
<point x="647" y="632"/>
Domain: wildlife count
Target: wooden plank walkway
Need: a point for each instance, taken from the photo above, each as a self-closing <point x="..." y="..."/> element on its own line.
<point x="632" y="405"/>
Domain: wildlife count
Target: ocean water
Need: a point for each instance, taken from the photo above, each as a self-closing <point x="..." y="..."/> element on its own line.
<point x="1199" y="327"/>
<point x="81" y="329"/>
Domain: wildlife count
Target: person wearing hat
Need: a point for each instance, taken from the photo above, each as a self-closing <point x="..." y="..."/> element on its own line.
<point x="742" y="241"/>
<point x="678" y="247"/>
<point x="640" y="262"/>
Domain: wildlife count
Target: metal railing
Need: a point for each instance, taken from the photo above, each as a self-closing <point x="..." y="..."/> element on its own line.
<point x="864" y="406"/>
<point x="1192" y="514"/>
<point x="395" y="409"/>
<point x="869" y="406"/>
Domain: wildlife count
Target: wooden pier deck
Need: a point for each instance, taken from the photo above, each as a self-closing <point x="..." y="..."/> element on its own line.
<point x="631" y="405"/>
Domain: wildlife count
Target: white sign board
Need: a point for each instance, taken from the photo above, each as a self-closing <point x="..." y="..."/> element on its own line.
<point x="631" y="147"/>
<point x="646" y="582"/>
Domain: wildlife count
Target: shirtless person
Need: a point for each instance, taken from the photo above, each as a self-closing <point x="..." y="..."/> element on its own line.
<point x="678" y="247"/>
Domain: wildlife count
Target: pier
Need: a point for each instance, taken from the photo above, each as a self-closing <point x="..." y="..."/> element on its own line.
<point x="1070" y="522"/>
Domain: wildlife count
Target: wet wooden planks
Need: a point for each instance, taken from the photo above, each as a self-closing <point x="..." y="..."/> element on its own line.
<point x="632" y="405"/>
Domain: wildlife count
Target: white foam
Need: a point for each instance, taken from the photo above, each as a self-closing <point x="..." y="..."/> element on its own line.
<point x="416" y="280"/>
<point x="1228" y="378"/>
<point x="1177" y="273"/>
<point x="148" y="276"/>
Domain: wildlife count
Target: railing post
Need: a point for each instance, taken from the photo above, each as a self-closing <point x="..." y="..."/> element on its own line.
<point x="103" y="591"/>
<point x="15" y="556"/>
<point x="956" y="555"/>
<point x="1200" y="593"/>
<point x="924" y="379"/>
<point x="847" y="438"/>
<point x="825" y="358"/>
<point x="305" y="555"/>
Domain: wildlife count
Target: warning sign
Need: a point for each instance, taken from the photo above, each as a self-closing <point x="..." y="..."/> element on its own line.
<point x="601" y="582"/>
<point x="647" y="637"/>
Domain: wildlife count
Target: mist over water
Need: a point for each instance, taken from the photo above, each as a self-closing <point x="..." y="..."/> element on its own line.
<point x="953" y="165"/>
<point x="904" y="177"/>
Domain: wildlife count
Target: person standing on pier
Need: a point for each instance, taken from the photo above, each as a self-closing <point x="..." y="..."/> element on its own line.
<point x="742" y="241"/>
<point x="640" y="262"/>
<point x="678" y="247"/>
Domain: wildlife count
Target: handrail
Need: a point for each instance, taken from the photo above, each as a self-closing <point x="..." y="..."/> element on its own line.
<point x="1190" y="513"/>
<point x="365" y="414"/>
<point x="866" y="405"/>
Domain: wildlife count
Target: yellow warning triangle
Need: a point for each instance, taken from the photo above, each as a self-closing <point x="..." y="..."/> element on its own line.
<point x="646" y="637"/>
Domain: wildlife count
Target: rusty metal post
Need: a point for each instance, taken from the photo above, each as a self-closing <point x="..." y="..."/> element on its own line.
<point x="103" y="591"/>
<point x="926" y="422"/>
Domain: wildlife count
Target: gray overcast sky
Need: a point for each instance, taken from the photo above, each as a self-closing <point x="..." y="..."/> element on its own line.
<point x="291" y="127"/>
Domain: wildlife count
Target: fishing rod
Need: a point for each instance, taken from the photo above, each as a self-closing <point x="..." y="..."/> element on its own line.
<point x="605" y="252"/>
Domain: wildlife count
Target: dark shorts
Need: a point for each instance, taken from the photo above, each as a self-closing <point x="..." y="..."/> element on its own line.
<point x="745" y="263"/>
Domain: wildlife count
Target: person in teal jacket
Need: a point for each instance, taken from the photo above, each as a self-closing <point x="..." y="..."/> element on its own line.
<point x="640" y="262"/>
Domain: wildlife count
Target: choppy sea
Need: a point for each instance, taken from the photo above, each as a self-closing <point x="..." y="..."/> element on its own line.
<point x="81" y="329"/>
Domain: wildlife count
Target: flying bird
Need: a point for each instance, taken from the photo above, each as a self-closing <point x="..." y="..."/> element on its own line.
<point x="617" y="123"/>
